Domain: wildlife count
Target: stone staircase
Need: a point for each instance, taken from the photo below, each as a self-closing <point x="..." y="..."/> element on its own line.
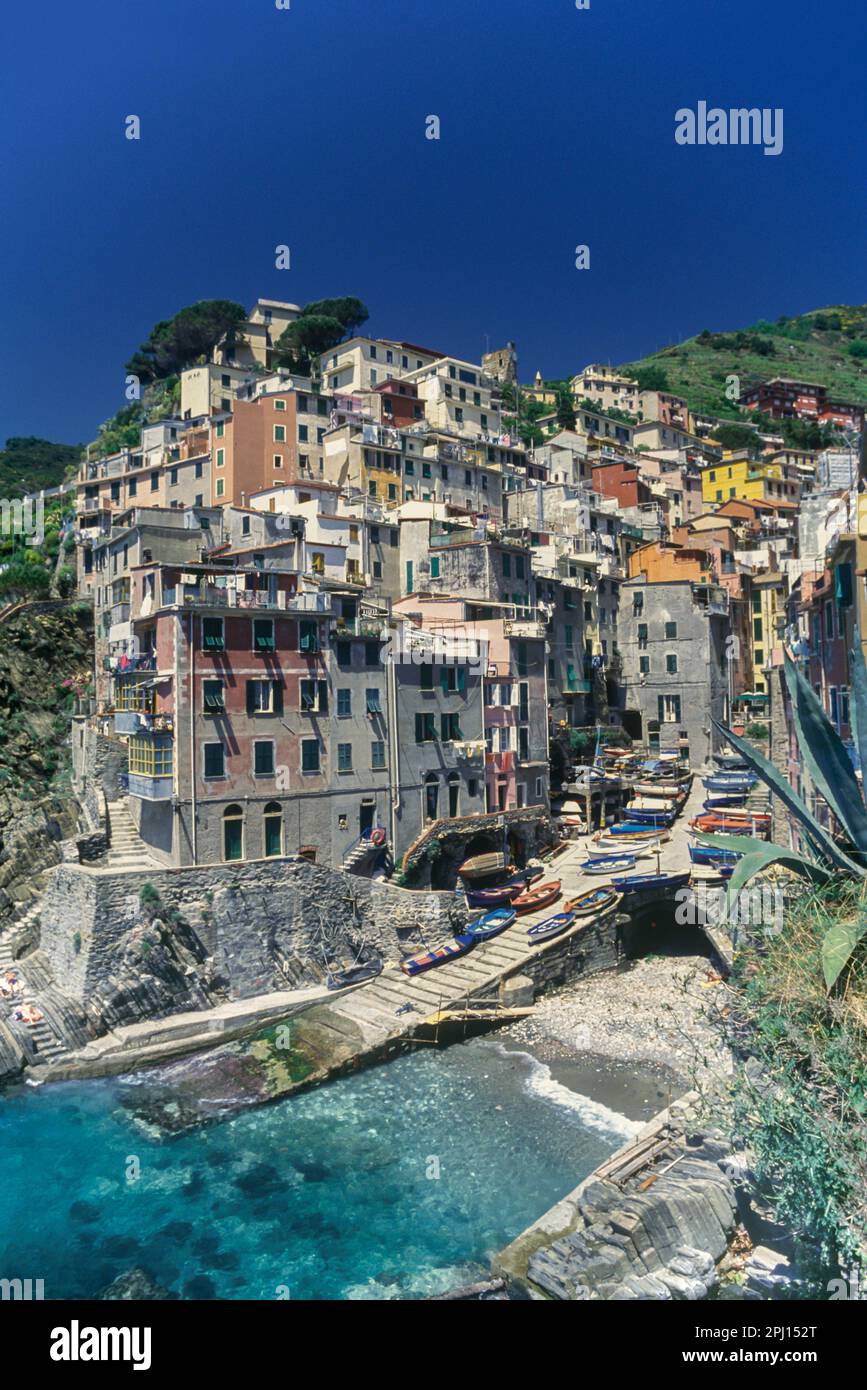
<point x="127" y="849"/>
<point x="41" y="1042"/>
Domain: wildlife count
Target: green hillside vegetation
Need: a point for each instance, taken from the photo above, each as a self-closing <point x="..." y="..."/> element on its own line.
<point x="828" y="346"/>
<point x="28" y="464"/>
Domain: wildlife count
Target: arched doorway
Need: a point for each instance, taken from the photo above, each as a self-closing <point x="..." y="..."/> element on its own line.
<point x="233" y="832"/>
<point x="273" y="829"/>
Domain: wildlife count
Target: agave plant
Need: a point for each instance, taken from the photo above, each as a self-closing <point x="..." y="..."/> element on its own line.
<point x="824" y="755"/>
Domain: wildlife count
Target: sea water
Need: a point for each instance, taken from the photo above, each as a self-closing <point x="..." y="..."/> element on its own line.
<point x="396" y="1182"/>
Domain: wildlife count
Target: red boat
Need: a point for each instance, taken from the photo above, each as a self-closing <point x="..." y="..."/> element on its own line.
<point x="537" y="898"/>
<point x="712" y="824"/>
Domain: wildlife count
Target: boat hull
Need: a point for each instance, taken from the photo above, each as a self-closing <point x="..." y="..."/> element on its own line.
<point x="537" y="898"/>
<point x="648" y="883"/>
<point x="491" y="924"/>
<point x="452" y="950"/>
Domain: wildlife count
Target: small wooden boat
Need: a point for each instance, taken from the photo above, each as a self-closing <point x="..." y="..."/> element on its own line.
<point x="483" y="865"/>
<point x="450" y="951"/>
<point x="709" y="854"/>
<point x="614" y="864"/>
<point x="721" y="822"/>
<point x="496" y="896"/>
<point x="625" y="844"/>
<point x="355" y="975"/>
<point x="552" y="926"/>
<point x="660" y="790"/>
<point x="643" y="883"/>
<point x="536" y="898"/>
<point x="729" y="782"/>
<point x="491" y="924"/>
<point x="714" y="803"/>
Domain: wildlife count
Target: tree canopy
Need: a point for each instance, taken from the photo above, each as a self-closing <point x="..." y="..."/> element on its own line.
<point x="177" y="342"/>
<point x="320" y="325"/>
<point x="28" y="464"/>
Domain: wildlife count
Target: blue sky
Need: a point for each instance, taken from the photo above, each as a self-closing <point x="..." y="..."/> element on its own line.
<point x="307" y="127"/>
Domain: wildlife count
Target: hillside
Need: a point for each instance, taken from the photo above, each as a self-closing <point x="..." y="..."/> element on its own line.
<point x="28" y="464"/>
<point x="826" y="345"/>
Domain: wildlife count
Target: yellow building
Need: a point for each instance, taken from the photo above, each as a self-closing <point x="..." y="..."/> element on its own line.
<point x="750" y="480"/>
<point x="768" y="623"/>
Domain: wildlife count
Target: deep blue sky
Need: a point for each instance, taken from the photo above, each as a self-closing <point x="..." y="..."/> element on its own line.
<point x="306" y="126"/>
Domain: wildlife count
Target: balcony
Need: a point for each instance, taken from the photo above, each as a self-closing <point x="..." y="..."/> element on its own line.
<point x="501" y="762"/>
<point x="529" y="627"/>
<point x="215" y="597"/>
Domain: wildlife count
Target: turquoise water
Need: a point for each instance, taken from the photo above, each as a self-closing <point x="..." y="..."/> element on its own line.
<point x="392" y="1183"/>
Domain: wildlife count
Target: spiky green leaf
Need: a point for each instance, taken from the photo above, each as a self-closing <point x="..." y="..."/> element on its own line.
<point x="837" y="946"/>
<point x="826" y="758"/>
<point x="815" y="833"/>
<point x="760" y="855"/>
<point x="858" y="703"/>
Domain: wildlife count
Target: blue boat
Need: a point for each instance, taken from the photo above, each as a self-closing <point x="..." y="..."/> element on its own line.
<point x="730" y="762"/>
<point x="664" y="818"/>
<point x="491" y="924"/>
<point x="630" y="827"/>
<point x="642" y="883"/>
<point x="709" y="854"/>
<point x="552" y="926"/>
<point x="730" y="785"/>
<point x="725" y="799"/>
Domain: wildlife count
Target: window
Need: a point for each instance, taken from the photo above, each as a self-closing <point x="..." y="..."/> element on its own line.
<point x="757" y="629"/>
<point x="221" y="457"/>
<point x="344" y="653"/>
<point x="212" y="635"/>
<point x="507" y="566"/>
<point x="308" y="636"/>
<point x="263" y="634"/>
<point x="233" y="832"/>
<point x="377" y="754"/>
<point x="450" y="727"/>
<point x="425" y="729"/>
<point x="644" y="665"/>
<point x="669" y="709"/>
<point x="344" y="757"/>
<point x="425" y="679"/>
<point x="280" y="434"/>
<point x="671" y="632"/>
<point x="453" y="680"/>
<point x="278" y="460"/>
<point x="310" y="755"/>
<point x="642" y="634"/>
<point x="279" y="405"/>
<point x="371" y="654"/>
<point x="150" y="757"/>
<point x="155" y="481"/>
<point x="263" y="758"/>
<point x="523" y="701"/>
<point x="273" y="819"/>
<point x="314" y="697"/>
<point x="213" y="701"/>
<point x="303" y="434"/>
<point x="435" y="567"/>
<point x="373" y="702"/>
<point x="221" y="488"/>
<point x="637" y="604"/>
<point x="835" y="706"/>
<point x="671" y="663"/>
<point x="264" y="697"/>
<point x="344" y="704"/>
<point x="215" y="760"/>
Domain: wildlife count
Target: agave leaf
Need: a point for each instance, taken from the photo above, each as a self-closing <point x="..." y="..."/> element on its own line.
<point x="837" y="947"/>
<point x="858" y="703"/>
<point x="826" y="758"/>
<point x="816" y="834"/>
<point x="761" y="855"/>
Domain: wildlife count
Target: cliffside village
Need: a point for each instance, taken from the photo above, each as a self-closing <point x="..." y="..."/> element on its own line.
<point x="334" y="610"/>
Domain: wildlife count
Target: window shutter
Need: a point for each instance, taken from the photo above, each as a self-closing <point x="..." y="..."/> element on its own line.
<point x="278" y="696"/>
<point x="323" y="697"/>
<point x="444" y="680"/>
<point x="251" y="697"/>
<point x="462" y="678"/>
<point x="419" y="728"/>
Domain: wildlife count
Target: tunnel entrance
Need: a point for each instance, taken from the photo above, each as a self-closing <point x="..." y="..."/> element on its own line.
<point x="654" y="930"/>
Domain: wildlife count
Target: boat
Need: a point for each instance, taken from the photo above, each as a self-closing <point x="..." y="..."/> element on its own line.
<point x="536" y="898"/>
<point x="670" y="790"/>
<point x="642" y="883"/>
<point x="496" y="896"/>
<point x="552" y="926"/>
<point x="709" y="854"/>
<point x="483" y="865"/>
<point x="491" y="924"/>
<point x="731" y="762"/>
<point x="355" y="975"/>
<point x="729" y="782"/>
<point x="636" y="830"/>
<point x="710" y="873"/>
<point x="614" y="864"/>
<point x="713" y="803"/>
<point x="646" y="839"/>
<point x="725" y="822"/>
<point x="450" y="951"/>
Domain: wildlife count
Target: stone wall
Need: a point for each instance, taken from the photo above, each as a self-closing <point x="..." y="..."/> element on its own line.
<point x="263" y="926"/>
